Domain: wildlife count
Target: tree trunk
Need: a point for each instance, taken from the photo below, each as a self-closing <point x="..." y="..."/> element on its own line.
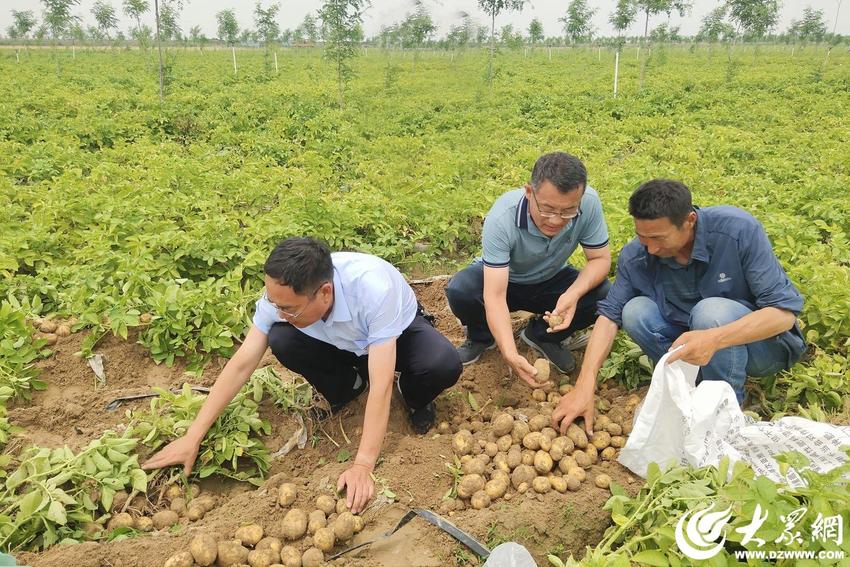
<point x="646" y="25"/>
<point x="492" y="48"/>
<point x="159" y="47"/>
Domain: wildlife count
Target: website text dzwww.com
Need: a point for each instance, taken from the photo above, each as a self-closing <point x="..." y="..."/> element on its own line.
<point x="789" y="554"/>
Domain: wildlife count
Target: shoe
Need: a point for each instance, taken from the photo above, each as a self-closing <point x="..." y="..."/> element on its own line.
<point x="423" y="419"/>
<point x="576" y="341"/>
<point x="470" y="351"/>
<point x="558" y="355"/>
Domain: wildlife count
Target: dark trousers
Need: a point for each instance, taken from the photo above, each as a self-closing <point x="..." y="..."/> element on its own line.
<point x="465" y="292"/>
<point x="427" y="361"/>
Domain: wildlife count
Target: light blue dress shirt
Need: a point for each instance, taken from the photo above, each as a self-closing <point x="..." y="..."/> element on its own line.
<point x="372" y="304"/>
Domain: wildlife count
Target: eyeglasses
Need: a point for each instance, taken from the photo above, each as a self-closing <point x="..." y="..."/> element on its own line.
<point x="286" y="315"/>
<point x="553" y="214"/>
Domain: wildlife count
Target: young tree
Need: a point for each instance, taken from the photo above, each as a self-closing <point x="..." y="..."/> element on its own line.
<point x="653" y="7"/>
<point x="493" y="8"/>
<point x="811" y="28"/>
<point x="623" y="16"/>
<point x="535" y="32"/>
<point x="169" y="27"/>
<point x="228" y="27"/>
<point x="417" y="28"/>
<point x="57" y="16"/>
<point x="342" y="31"/>
<point x="104" y="15"/>
<point x="715" y="27"/>
<point x="309" y="29"/>
<point x="268" y="29"/>
<point x="755" y="17"/>
<point x="135" y="9"/>
<point x="22" y="23"/>
<point x="577" y="21"/>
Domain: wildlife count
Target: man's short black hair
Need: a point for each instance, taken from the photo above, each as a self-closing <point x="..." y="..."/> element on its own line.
<point x="302" y="263"/>
<point x="661" y="198"/>
<point x="564" y="171"/>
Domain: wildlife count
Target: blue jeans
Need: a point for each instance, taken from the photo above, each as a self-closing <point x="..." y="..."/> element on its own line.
<point x="643" y="322"/>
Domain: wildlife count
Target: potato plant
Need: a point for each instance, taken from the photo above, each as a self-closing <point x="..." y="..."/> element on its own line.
<point x="52" y="495"/>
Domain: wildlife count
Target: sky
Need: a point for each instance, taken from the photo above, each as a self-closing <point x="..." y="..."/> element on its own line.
<point x="444" y="12"/>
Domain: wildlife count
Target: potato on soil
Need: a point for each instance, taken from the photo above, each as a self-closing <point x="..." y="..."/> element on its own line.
<point x="462" y="442"/>
<point x="290" y="556"/>
<point x="469" y="485"/>
<point x="165" y="519"/>
<point x="541" y="485"/>
<point x="286" y="494"/>
<point x="602" y="481"/>
<point x="573" y="483"/>
<point x="579" y="473"/>
<point x="63" y="331"/>
<point x="119" y="500"/>
<point x="204" y="549"/>
<point x="444" y="427"/>
<point x="538" y="395"/>
<point x="519" y="431"/>
<point x="528" y="457"/>
<point x="618" y="441"/>
<point x="542" y="462"/>
<point x="582" y="459"/>
<point x="271" y="543"/>
<point x="565" y="389"/>
<point x="261" y="558"/>
<point x="566" y="464"/>
<point x="474" y="466"/>
<point x="359" y="524"/>
<point x="496" y="488"/>
<point x="48" y="327"/>
<point x="122" y="520"/>
<point x="500" y="463"/>
<point x="538" y="422"/>
<point x="326" y="504"/>
<point x="195" y="512"/>
<point x="324" y="539"/>
<point x="480" y="500"/>
<point x="143" y="524"/>
<point x="548" y="432"/>
<point x="316" y="520"/>
<point x="608" y="454"/>
<point x="561" y="447"/>
<point x="294" y="524"/>
<point x="92" y="529"/>
<point x="205" y="501"/>
<point x="313" y="557"/>
<point x="600" y="439"/>
<point x="231" y="552"/>
<point x="614" y="429"/>
<point x="514" y="458"/>
<point x="578" y="435"/>
<point x="182" y="559"/>
<point x="503" y="424"/>
<point x="559" y="483"/>
<point x="174" y="491"/>
<point x="532" y="440"/>
<point x="344" y="526"/>
<point x="522" y="474"/>
<point x="249" y="535"/>
<point x="504" y="443"/>
<point x="553" y="397"/>
<point x="492" y="449"/>
<point x="592" y="453"/>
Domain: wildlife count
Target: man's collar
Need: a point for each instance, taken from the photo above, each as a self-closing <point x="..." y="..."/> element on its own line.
<point x="700" y="251"/>
<point x="522" y="213"/>
<point x="340" y="311"/>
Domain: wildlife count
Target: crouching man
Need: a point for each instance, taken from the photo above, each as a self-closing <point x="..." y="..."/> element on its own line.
<point x="344" y="321"/>
<point x="705" y="280"/>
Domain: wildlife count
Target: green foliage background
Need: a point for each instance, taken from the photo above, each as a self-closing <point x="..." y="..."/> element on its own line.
<point x="115" y="205"/>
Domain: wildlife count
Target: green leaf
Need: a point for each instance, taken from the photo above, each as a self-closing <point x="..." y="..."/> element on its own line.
<point x="56" y="513"/>
<point x="472" y="402"/>
<point x="343" y="455"/>
<point x="652" y="557"/>
<point x="140" y="480"/>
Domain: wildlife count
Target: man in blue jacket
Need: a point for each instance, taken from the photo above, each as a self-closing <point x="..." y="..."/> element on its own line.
<point x="706" y="280"/>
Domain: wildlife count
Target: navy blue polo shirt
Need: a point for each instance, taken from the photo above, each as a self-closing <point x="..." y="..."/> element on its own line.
<point x="735" y="261"/>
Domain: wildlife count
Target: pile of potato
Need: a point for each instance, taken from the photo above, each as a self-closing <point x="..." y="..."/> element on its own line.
<point x="306" y="537"/>
<point x="50" y="330"/>
<point x="193" y="507"/>
<point x="517" y="451"/>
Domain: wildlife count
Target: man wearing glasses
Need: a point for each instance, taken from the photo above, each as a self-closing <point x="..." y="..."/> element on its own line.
<point x="343" y="321"/>
<point x="529" y="234"/>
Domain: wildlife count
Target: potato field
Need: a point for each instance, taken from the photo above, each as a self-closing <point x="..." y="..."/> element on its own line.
<point x="132" y="239"/>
